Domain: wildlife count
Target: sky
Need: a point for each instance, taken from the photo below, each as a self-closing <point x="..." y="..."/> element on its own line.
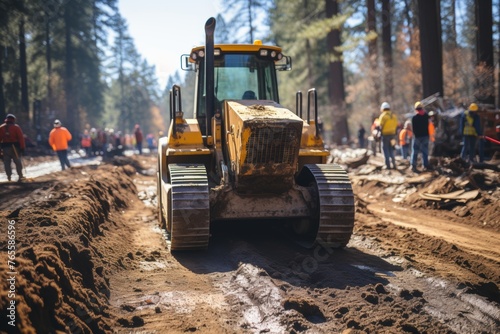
<point x="163" y="30"/>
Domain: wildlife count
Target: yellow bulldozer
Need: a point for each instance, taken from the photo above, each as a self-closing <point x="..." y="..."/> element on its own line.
<point x="243" y="156"/>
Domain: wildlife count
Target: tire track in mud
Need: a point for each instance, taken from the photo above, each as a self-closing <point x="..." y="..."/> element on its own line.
<point x="452" y="303"/>
<point x="251" y="279"/>
<point x="365" y="272"/>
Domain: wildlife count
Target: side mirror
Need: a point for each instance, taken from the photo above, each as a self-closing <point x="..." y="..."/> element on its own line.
<point x="185" y="64"/>
<point x="285" y="64"/>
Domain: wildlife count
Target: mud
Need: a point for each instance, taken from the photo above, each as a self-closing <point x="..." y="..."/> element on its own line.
<point x="90" y="258"/>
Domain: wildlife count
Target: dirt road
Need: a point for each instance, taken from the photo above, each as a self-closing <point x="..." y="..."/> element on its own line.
<point x="90" y="258"/>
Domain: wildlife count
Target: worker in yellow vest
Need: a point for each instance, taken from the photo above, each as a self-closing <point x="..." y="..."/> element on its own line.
<point x="470" y="126"/>
<point x="388" y="125"/>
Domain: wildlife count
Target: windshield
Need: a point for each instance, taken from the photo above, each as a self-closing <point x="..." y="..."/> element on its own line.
<point x="240" y="76"/>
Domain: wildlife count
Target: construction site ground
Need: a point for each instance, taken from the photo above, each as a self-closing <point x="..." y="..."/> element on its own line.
<point x="90" y="258"/>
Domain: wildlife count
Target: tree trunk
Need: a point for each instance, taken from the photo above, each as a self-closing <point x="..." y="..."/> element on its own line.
<point x="310" y="62"/>
<point x="48" y="59"/>
<point x="387" y="49"/>
<point x="371" y="26"/>
<point x="453" y="39"/>
<point x="71" y="112"/>
<point x="336" y="78"/>
<point x="23" y="71"/>
<point x="250" y="23"/>
<point x="3" y="112"/>
<point x="485" y="81"/>
<point x="431" y="52"/>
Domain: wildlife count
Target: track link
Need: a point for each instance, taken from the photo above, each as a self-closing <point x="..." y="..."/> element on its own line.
<point x="335" y="203"/>
<point x="190" y="207"/>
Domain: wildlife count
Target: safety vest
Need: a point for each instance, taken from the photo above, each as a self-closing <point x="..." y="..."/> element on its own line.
<point x="86" y="141"/>
<point x="432" y="132"/>
<point x="469" y="129"/>
<point x="388" y="122"/>
<point x="405" y="137"/>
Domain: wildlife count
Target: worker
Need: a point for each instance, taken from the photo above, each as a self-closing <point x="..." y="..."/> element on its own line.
<point x="58" y="140"/>
<point x="375" y="137"/>
<point x="13" y="146"/>
<point x="405" y="138"/>
<point x="470" y="128"/>
<point x="432" y="132"/>
<point x="86" y="143"/>
<point x="138" y="138"/>
<point x="420" y="127"/>
<point x="361" y="136"/>
<point x="388" y="125"/>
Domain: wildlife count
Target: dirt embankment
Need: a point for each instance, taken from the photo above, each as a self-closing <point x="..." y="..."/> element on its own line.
<point x="61" y="274"/>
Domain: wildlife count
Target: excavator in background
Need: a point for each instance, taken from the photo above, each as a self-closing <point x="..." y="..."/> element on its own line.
<point x="243" y="156"/>
<point x="448" y="139"/>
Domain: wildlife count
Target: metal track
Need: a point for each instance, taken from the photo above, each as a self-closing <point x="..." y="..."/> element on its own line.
<point x="336" y="204"/>
<point x="190" y="207"/>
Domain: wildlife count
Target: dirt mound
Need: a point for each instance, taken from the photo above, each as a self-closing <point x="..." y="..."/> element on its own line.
<point x="459" y="191"/>
<point x="59" y="275"/>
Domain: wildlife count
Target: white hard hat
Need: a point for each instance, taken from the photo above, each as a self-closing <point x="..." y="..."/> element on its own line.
<point x="385" y="106"/>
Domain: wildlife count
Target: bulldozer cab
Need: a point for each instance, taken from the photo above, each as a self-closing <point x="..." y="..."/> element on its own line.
<point x="241" y="72"/>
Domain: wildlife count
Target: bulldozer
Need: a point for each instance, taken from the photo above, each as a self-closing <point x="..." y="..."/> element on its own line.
<point x="245" y="157"/>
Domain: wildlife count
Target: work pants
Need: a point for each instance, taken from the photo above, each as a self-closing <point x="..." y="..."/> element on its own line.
<point x="388" y="150"/>
<point x="63" y="158"/>
<point x="12" y="153"/>
<point x="420" y="144"/>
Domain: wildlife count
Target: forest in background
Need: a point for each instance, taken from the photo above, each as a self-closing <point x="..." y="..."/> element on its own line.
<point x="75" y="60"/>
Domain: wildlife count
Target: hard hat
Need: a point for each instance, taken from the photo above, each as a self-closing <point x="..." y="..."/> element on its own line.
<point x="408" y="124"/>
<point x="10" y="116"/>
<point x="473" y="107"/>
<point x="418" y="105"/>
<point x="432" y="113"/>
<point x="385" y="106"/>
<point x="57" y="123"/>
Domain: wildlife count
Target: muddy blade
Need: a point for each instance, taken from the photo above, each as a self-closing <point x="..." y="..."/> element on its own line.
<point x="189" y="207"/>
<point x="336" y="205"/>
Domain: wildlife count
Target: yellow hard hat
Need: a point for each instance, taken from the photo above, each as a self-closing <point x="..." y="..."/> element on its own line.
<point x="473" y="107"/>
<point x="418" y="104"/>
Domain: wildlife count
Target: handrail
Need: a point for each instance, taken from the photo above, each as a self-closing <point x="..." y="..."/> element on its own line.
<point x="298" y="104"/>
<point x="310" y="92"/>
<point x="175" y="105"/>
<point x="172" y="113"/>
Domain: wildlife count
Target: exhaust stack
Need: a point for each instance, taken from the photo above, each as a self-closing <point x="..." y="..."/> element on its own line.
<point x="209" y="73"/>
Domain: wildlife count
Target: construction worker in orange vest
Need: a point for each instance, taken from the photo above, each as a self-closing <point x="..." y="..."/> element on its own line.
<point x="405" y="138"/>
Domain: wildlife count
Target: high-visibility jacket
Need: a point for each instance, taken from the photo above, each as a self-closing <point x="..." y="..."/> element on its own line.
<point x="59" y="138"/>
<point x="405" y="137"/>
<point x="432" y="131"/>
<point x="470" y="124"/>
<point x="86" y="141"/>
<point x="11" y="134"/>
<point x="388" y="123"/>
